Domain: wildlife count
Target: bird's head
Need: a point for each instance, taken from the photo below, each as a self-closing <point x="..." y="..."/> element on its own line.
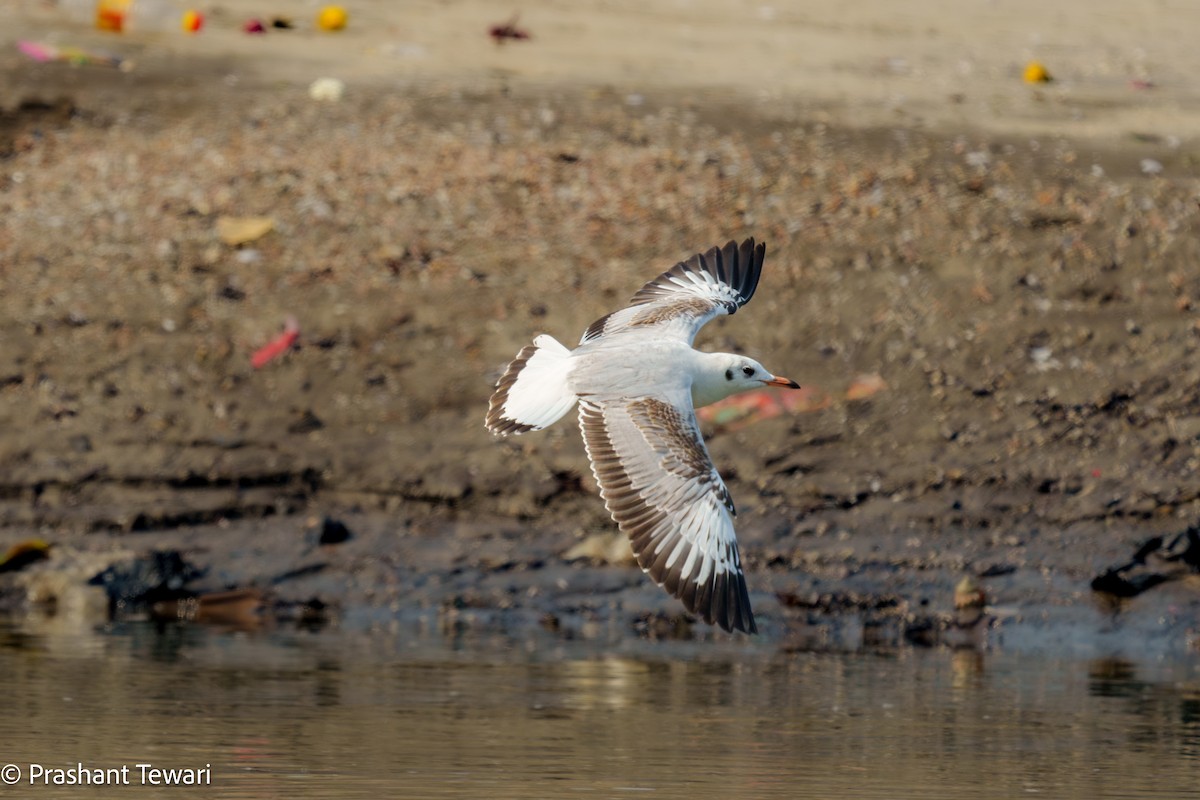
<point x="730" y="374"/>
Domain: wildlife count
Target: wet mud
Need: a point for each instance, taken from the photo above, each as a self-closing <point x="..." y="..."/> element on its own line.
<point x="1000" y="340"/>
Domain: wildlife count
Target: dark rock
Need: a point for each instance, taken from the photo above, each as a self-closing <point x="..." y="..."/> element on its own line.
<point x="333" y="531"/>
<point x="307" y="422"/>
<point x="158" y="576"/>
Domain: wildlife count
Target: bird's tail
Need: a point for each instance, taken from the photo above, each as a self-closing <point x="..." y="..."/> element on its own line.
<point x="533" y="391"/>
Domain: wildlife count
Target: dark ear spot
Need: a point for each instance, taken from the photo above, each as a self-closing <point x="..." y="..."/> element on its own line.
<point x="729" y="374"/>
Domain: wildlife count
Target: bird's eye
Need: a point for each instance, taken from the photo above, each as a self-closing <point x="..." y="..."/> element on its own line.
<point x="747" y="371"/>
<point x="728" y="374"/>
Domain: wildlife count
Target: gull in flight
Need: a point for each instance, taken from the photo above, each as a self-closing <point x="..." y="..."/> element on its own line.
<point x="638" y="382"/>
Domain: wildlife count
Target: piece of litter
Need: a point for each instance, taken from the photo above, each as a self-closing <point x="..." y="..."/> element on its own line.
<point x="111" y="15"/>
<point x="239" y="230"/>
<point x="748" y="408"/>
<point x="327" y="90"/>
<point x="864" y="386"/>
<point x="1151" y="167"/>
<point x="192" y="21"/>
<point x="332" y="18"/>
<point x="1036" y="72"/>
<point x="24" y="553"/>
<point x="508" y="30"/>
<point x="75" y="56"/>
<point x="277" y="346"/>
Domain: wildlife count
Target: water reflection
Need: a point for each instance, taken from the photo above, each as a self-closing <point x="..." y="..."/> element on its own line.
<point x="321" y="715"/>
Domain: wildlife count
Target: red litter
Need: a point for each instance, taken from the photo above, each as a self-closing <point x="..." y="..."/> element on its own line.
<point x="277" y="346"/>
<point x="508" y="30"/>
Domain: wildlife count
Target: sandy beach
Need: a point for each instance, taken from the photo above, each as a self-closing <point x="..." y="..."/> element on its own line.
<point x="1118" y="68"/>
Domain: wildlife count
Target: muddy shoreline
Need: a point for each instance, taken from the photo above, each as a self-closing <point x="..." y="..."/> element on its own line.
<point x="1028" y="312"/>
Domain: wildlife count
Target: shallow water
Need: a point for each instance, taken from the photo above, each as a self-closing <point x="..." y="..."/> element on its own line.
<point x="332" y="716"/>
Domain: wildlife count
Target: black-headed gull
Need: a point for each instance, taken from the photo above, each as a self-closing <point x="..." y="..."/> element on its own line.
<point x="638" y="381"/>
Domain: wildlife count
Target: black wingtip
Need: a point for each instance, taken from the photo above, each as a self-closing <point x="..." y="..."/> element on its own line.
<point x="732" y="612"/>
<point x="719" y="265"/>
<point x="738" y="266"/>
<point x="743" y="265"/>
<point x="723" y="601"/>
<point x="750" y="258"/>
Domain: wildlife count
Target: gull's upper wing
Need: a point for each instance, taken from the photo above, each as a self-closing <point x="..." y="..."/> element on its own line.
<point x="683" y="298"/>
<point x="659" y="484"/>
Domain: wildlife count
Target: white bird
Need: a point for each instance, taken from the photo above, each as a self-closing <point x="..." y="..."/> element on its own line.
<point x="638" y="381"/>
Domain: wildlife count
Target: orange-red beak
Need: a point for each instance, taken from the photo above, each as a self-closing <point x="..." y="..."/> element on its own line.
<point x="786" y="383"/>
